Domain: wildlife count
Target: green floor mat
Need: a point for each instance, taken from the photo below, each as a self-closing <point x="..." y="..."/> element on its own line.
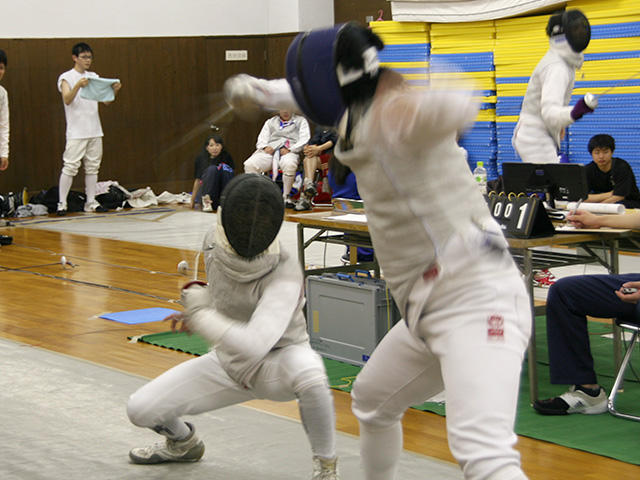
<point x="600" y="434"/>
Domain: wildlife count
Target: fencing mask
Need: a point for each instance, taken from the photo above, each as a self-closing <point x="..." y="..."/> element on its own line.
<point x="574" y="25"/>
<point x="325" y="67"/>
<point x="252" y="213"/>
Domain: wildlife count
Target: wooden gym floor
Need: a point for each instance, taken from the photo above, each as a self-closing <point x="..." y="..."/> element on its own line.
<point x="56" y="308"/>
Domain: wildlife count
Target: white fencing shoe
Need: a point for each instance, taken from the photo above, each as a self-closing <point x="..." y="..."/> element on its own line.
<point x="325" y="468"/>
<point x="190" y="449"/>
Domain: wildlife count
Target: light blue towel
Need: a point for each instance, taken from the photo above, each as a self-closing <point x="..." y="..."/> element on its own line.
<point x="99" y="89"/>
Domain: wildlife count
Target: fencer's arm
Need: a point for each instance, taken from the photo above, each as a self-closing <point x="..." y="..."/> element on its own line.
<point x="200" y="316"/>
<point x="413" y="118"/>
<point x="257" y="336"/>
<point x="269" y="320"/>
<point x="552" y="108"/>
<point x="243" y="90"/>
<point x="303" y="136"/>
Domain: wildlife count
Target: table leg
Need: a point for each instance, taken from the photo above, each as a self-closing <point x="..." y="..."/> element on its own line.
<point x="614" y="268"/>
<point x="301" y="246"/>
<point x="527" y="266"/>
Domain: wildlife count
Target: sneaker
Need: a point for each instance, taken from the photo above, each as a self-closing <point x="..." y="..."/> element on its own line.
<point x="61" y="209"/>
<point x="303" y="204"/>
<point x="310" y="191"/>
<point x="190" y="449"/>
<point x="288" y="203"/>
<point x="206" y="203"/>
<point x="573" y="401"/>
<point x="543" y="278"/>
<point x="94" y="207"/>
<point x="325" y="469"/>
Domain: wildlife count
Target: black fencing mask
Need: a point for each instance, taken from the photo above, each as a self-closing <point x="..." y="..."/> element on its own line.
<point x="574" y="25"/>
<point x="252" y="213"/>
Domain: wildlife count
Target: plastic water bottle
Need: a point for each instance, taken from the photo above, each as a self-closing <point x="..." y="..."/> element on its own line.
<point x="480" y="176"/>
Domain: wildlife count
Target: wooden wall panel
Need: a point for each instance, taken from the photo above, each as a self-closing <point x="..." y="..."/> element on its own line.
<point x="358" y="10"/>
<point x="156" y="127"/>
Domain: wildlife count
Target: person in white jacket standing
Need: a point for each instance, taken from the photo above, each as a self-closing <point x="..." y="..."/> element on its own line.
<point x="545" y="112"/>
<point x="467" y="318"/>
<point x="251" y="313"/>
<point x="4" y="117"/>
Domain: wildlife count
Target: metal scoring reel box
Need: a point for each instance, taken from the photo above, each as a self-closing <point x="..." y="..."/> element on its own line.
<point x="348" y="314"/>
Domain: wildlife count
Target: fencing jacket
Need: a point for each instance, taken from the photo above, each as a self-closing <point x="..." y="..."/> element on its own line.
<point x="545" y="111"/>
<point x="256" y="306"/>
<point x="413" y="177"/>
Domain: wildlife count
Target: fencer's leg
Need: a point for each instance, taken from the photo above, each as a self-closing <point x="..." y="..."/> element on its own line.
<point x="74" y="152"/>
<point x="64" y="187"/>
<point x="92" y="160"/>
<point x="481" y="408"/>
<point x="479" y="331"/>
<point x="296" y="371"/>
<point x="318" y="417"/>
<point x="401" y="372"/>
<point x="193" y="387"/>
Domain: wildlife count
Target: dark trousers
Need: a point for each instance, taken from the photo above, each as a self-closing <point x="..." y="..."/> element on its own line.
<point x="214" y="179"/>
<point x="569" y="301"/>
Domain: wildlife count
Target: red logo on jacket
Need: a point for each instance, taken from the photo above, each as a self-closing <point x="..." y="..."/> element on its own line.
<point x="495" y="327"/>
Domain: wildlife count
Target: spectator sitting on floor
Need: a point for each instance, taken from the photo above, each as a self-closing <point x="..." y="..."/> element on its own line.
<point x="214" y="168"/>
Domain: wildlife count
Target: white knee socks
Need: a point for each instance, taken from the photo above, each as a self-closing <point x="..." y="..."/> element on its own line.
<point x="318" y="418"/>
<point x="287" y="183"/>
<point x="380" y="450"/>
<point x="63" y="188"/>
<point x="90" y="182"/>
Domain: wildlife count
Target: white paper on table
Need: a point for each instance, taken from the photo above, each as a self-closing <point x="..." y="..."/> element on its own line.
<point x="611" y="208"/>
<point x="350" y="217"/>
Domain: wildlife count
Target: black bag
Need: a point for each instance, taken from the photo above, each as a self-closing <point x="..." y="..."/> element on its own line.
<point x="49" y="198"/>
<point x="9" y="203"/>
<point x="114" y="198"/>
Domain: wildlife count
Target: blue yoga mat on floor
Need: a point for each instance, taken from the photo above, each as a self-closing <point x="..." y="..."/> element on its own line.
<point x="143" y="315"/>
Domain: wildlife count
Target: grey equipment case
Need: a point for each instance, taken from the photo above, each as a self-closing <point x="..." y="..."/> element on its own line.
<point x="348" y="314"/>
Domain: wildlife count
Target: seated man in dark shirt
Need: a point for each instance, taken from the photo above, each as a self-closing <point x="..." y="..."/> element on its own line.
<point x="610" y="179"/>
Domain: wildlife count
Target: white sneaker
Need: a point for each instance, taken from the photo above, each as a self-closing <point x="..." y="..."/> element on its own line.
<point x="325" y="469"/>
<point x="573" y="401"/>
<point x="206" y="203"/>
<point x="93" y="207"/>
<point x="190" y="449"/>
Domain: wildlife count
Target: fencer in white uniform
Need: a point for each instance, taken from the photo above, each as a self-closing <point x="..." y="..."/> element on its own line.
<point x="467" y="318"/>
<point x="546" y="112"/>
<point x="251" y="313"/>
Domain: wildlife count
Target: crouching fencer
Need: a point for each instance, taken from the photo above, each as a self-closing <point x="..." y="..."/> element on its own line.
<point x="546" y="112"/>
<point x="251" y="313"/>
<point x="466" y="312"/>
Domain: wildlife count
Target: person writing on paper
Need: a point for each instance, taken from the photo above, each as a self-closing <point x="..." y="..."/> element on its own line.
<point x="84" y="131"/>
<point x="545" y="112"/>
<point x="610" y="179"/>
<point x="569" y="302"/>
